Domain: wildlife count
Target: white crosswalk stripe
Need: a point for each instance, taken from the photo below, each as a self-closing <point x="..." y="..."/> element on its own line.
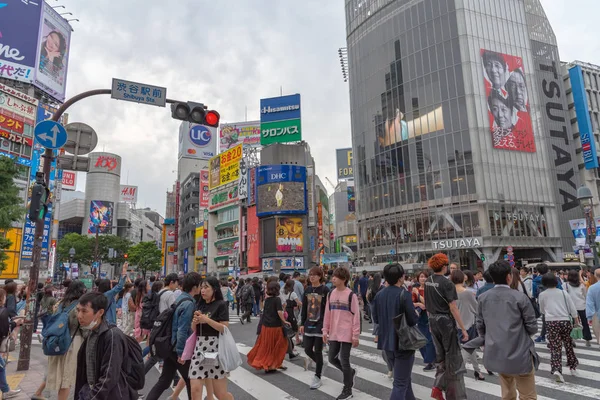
<point x="372" y="381"/>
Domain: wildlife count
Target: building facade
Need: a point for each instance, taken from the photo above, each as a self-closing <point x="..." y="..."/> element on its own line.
<point x="460" y="131"/>
<point x="189" y="216"/>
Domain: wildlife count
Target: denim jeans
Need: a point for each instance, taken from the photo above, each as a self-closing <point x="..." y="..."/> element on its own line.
<point x="427" y="351"/>
<point x="3" y="384"/>
<point x="256" y="308"/>
<point x="403" y="364"/>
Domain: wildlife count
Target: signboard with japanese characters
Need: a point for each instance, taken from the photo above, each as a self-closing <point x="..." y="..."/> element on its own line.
<point x="138" y="92"/>
<point x="18" y="103"/>
<point x="225" y="167"/>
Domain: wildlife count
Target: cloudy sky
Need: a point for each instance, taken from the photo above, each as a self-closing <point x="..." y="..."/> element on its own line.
<point x="228" y="54"/>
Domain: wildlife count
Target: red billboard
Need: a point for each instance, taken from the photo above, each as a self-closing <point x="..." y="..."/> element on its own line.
<point x="253" y="242"/>
<point x="507" y="102"/>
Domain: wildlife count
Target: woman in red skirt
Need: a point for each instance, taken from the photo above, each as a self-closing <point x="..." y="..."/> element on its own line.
<point x="271" y="345"/>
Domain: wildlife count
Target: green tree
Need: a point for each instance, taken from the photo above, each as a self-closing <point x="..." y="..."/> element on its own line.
<point x="106" y="242"/>
<point x="83" y="245"/>
<point x="11" y="209"/>
<point x="146" y="257"/>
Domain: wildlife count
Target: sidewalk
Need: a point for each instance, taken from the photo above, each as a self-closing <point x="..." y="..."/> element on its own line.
<point x="28" y="381"/>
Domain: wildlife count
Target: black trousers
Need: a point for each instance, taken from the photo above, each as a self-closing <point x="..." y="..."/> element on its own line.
<point x="313" y="347"/>
<point x="247" y="311"/>
<point x="170" y="368"/>
<point x="339" y="355"/>
<point x="587" y="334"/>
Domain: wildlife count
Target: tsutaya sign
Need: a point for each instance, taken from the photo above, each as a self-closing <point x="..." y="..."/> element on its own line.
<point x="463" y="243"/>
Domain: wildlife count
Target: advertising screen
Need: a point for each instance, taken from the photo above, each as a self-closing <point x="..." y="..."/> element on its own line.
<point x="101" y="216"/>
<point x="246" y="133"/>
<point x="53" y="53"/>
<point x="281" y="189"/>
<point x="507" y="101"/>
<point x="289" y="235"/>
<point x="19" y="24"/>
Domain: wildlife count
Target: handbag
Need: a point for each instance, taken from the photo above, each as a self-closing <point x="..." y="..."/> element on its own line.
<point x="190" y="345"/>
<point x="229" y="356"/>
<point x="206" y="359"/>
<point x="410" y="338"/>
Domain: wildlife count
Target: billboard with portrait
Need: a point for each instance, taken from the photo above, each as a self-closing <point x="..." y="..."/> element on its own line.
<point x="101" y="216"/>
<point x="288" y="234"/>
<point x="281" y="189"/>
<point x="246" y="133"/>
<point x="507" y="102"/>
<point x="19" y="27"/>
<point x="53" y="53"/>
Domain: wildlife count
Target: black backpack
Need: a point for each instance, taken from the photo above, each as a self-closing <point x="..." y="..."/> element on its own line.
<point x="133" y="362"/>
<point x="162" y="332"/>
<point x="150" y="310"/>
<point x="247" y="294"/>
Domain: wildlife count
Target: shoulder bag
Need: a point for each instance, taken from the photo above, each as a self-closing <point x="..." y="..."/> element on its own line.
<point x="534" y="304"/>
<point x="410" y="338"/>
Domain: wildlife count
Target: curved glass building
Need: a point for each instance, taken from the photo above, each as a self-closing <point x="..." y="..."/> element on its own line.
<point x="460" y="131"/>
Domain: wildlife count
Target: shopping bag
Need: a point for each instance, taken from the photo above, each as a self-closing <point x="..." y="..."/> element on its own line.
<point x="190" y="346"/>
<point x="229" y="356"/>
<point x="577" y="332"/>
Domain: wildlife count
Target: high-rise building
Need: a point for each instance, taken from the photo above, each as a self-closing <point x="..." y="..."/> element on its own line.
<point x="460" y="131"/>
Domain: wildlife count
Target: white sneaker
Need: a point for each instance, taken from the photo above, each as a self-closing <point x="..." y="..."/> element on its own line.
<point x="390" y="375"/>
<point x="12" y="393"/>
<point x="316" y="383"/>
<point x="574" y="372"/>
<point x="559" y="377"/>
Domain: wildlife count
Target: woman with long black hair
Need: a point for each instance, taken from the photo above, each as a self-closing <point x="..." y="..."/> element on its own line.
<point x="578" y="293"/>
<point x="141" y="291"/>
<point x="210" y="320"/>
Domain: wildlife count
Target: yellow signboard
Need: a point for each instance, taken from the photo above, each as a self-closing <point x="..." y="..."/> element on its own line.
<point x="225" y="167"/>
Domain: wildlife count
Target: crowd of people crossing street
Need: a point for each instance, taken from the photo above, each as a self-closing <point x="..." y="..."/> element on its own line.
<point x="472" y="329"/>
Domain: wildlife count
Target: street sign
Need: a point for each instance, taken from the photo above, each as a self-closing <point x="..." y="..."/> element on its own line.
<point x="392" y="251"/>
<point x="81" y="139"/>
<point x="69" y="163"/>
<point x="50" y="134"/>
<point x="138" y="92"/>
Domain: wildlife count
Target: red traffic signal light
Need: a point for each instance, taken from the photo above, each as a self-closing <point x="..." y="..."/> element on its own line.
<point x="212" y="118"/>
<point x="125" y="255"/>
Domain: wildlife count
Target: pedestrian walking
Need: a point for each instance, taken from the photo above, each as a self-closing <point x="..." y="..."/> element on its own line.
<point x="538" y="287"/>
<point x="183" y="311"/>
<point x="111" y="292"/>
<point x="363" y="286"/>
<point x="527" y="279"/>
<point x="46" y="305"/>
<point x="418" y="297"/>
<point x="247" y="300"/>
<point x="271" y="345"/>
<point x="341" y="327"/>
<point x="103" y="355"/>
<point x="311" y="322"/>
<point x="128" y="309"/>
<point x="559" y="310"/>
<point x="592" y="305"/>
<point x="210" y="320"/>
<point x="62" y="369"/>
<point x="389" y="303"/>
<point x="444" y="319"/>
<point x="291" y="303"/>
<point x="467" y="306"/>
<point x="142" y="290"/>
<point x="489" y="283"/>
<point x="505" y="323"/>
<point x="578" y="293"/>
<point x="7" y="393"/>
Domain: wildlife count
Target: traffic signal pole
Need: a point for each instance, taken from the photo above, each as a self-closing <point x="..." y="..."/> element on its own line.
<point x="34" y="272"/>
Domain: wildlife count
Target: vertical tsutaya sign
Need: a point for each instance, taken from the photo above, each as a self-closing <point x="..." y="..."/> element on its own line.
<point x="586" y="131"/>
<point x="19" y="25"/>
<point x="280" y="120"/>
<point x="344" y="164"/>
<point x="508" y="103"/>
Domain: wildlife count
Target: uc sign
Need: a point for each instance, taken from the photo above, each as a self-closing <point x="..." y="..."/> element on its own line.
<point x="110" y="163"/>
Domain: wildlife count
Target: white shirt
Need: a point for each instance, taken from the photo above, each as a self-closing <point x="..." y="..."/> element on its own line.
<point x="167" y="298"/>
<point x="556" y="305"/>
<point x="577" y="294"/>
<point x="284" y="297"/>
<point x="528" y="282"/>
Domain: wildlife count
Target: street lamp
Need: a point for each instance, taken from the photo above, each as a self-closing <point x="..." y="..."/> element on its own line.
<point x="71" y="255"/>
<point x="585" y="197"/>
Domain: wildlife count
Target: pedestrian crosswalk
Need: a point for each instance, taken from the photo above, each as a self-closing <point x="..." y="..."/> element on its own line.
<point x="372" y="381"/>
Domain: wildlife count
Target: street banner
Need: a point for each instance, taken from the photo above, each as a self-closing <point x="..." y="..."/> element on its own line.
<point x="579" y="227"/>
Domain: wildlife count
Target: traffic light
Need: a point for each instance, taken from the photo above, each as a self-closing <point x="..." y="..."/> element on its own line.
<point x="38" y="207"/>
<point x="482" y="256"/>
<point x="196" y="113"/>
<point x="125" y="255"/>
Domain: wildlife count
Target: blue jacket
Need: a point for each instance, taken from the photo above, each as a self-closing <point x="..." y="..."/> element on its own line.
<point x="111" y="311"/>
<point x="386" y="305"/>
<point x="484" y="289"/>
<point x="537" y="281"/>
<point x="363" y="284"/>
<point x="182" y="322"/>
<point x="592" y="304"/>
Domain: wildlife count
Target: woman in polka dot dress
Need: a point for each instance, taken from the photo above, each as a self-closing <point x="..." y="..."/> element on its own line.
<point x="210" y="319"/>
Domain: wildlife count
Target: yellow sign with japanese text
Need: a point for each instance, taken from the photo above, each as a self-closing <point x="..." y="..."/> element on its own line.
<point x="225" y="167"/>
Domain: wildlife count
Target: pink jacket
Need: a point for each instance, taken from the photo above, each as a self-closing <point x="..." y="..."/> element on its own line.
<point x="339" y="324"/>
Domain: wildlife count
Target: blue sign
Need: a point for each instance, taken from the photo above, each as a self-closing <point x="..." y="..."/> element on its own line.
<point x="185" y="261"/>
<point x="586" y="131"/>
<point x="281" y="190"/>
<point x="200" y="135"/>
<point x="50" y="134"/>
<point x="19" y="30"/>
<point x="280" y="108"/>
<point x="280" y="173"/>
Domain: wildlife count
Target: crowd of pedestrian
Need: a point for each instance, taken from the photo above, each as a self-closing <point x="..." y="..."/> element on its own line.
<point x="179" y="322"/>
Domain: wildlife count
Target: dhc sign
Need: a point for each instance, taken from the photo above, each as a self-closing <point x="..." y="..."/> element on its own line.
<point x="588" y="144"/>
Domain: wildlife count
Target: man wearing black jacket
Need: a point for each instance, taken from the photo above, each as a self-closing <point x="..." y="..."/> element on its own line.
<point x="100" y="360"/>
